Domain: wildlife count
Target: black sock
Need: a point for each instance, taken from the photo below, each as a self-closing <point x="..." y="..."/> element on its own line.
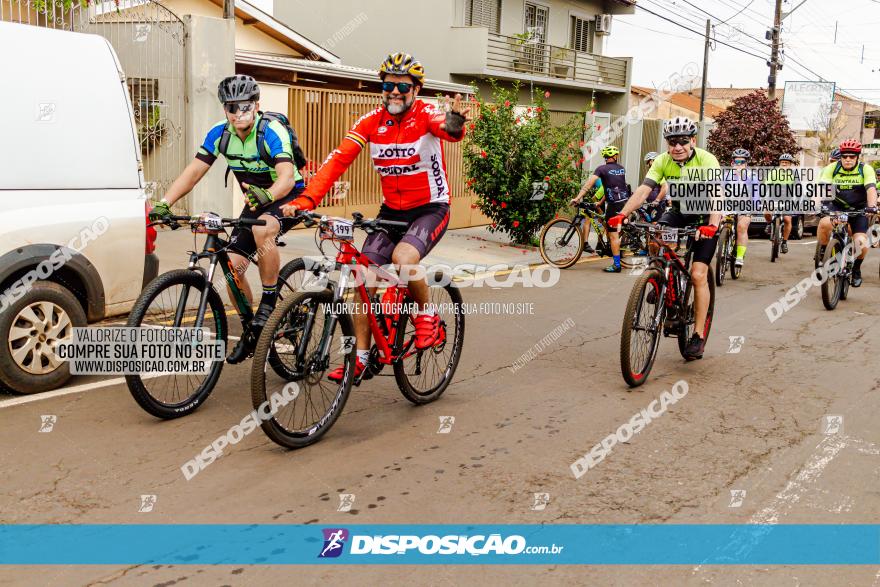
<point x="857" y="264"/>
<point x="270" y="295"/>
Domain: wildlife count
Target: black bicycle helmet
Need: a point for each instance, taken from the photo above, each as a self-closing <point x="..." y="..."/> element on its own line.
<point x="238" y="88"/>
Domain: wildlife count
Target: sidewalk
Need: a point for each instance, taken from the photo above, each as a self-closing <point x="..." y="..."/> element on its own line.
<point x="474" y="245"/>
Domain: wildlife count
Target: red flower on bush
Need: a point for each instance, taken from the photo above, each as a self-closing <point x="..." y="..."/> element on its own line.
<point x="504" y="204"/>
<point x="547" y="94"/>
<point x="507" y="103"/>
<point x="483" y="154"/>
<point x="546" y="178"/>
<point x="515" y="223"/>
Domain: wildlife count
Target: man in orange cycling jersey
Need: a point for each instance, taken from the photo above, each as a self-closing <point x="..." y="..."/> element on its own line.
<point x="405" y="137"/>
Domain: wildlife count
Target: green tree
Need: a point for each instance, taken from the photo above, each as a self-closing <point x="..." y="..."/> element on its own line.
<point x="752" y="122"/>
<point x="510" y="150"/>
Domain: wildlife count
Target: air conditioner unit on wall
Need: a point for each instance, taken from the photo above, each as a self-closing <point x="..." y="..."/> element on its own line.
<point x="603" y="24"/>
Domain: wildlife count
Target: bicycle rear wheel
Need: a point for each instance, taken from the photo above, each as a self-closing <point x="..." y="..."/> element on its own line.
<point x="298" y="329"/>
<point x="722" y="256"/>
<point x="561" y="243"/>
<point x="688" y="321"/>
<point x="640" y="334"/>
<point x="833" y="284"/>
<point x="171" y="294"/>
<point x="423" y="376"/>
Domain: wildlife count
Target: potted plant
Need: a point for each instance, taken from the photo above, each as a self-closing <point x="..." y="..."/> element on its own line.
<point x="517" y="46"/>
<point x="563" y="62"/>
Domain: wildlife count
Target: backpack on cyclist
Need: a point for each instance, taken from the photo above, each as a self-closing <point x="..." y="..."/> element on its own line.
<point x="299" y="158"/>
<point x="839" y="166"/>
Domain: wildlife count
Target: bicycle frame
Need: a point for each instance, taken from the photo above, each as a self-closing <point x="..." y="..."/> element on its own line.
<point x="215" y="251"/>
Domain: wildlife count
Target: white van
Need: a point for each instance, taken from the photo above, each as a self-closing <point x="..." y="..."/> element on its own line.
<point x="74" y="246"/>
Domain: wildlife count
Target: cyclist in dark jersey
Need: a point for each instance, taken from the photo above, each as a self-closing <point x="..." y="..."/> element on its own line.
<point x="657" y="200"/>
<point x="617" y="192"/>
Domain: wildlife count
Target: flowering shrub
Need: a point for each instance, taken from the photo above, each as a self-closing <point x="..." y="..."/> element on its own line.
<point x="510" y="151"/>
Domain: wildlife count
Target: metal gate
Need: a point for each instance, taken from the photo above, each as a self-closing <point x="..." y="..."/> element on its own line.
<point x="150" y="42"/>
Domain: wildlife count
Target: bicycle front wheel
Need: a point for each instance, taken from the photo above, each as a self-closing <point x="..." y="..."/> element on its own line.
<point x="309" y="338"/>
<point x="722" y="256"/>
<point x="172" y="300"/>
<point x="640" y="334"/>
<point x="561" y="243"/>
<point x="832" y="287"/>
<point x="423" y="375"/>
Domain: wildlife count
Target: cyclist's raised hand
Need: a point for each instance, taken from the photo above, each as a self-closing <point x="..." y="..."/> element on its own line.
<point x="455" y="116"/>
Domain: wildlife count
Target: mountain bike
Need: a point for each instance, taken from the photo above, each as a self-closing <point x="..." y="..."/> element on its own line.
<point x="313" y="331"/>
<point x="562" y="240"/>
<point x="186" y="298"/>
<point x="775" y="236"/>
<point x="836" y="287"/>
<point x="662" y="300"/>
<point x="726" y="253"/>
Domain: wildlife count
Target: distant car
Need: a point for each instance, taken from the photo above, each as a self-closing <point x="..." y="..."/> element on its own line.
<point x="801" y="225"/>
<point x="74" y="243"/>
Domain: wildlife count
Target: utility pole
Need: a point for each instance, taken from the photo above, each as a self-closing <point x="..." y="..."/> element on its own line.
<point x="705" y="69"/>
<point x="229" y="9"/>
<point x="774" y="51"/>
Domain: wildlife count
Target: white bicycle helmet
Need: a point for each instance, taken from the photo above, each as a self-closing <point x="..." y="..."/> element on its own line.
<point x="680" y="126"/>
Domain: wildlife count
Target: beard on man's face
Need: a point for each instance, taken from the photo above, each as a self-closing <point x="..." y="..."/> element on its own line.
<point x="397" y="106"/>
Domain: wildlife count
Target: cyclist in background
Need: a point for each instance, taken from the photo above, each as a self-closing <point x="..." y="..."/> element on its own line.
<point x="856" y="188"/>
<point x="681" y="137"/>
<point x="740" y="162"/>
<point x="617" y="192"/>
<point x="786" y="161"/>
<point x="834" y="157"/>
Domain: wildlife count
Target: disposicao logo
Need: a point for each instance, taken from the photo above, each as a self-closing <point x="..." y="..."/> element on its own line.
<point x="334" y="541"/>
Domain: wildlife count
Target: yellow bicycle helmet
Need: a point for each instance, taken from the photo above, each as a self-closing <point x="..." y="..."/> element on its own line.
<point x="402" y="64"/>
<point x="610" y="151"/>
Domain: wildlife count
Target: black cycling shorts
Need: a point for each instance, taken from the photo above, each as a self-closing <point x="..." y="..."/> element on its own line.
<point x="427" y="225"/>
<point x="242" y="240"/>
<point x="613" y="209"/>
<point x="704" y="249"/>
<point x="857" y="224"/>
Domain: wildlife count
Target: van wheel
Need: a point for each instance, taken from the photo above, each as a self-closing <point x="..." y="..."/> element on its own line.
<point x="30" y="328"/>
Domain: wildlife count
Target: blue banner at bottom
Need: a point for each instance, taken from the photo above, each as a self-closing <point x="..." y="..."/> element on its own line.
<point x="691" y="544"/>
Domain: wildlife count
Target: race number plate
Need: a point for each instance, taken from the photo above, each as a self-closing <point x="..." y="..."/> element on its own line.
<point x="669" y="235"/>
<point x="343" y="230"/>
<point x="843" y="217"/>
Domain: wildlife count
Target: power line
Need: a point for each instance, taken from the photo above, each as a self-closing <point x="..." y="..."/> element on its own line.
<point x="740" y="12"/>
<point x="762" y="58"/>
<point x="655" y="30"/>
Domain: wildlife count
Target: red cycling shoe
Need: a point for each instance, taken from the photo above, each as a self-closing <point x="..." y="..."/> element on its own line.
<point x="427" y="330"/>
<point x="336" y="374"/>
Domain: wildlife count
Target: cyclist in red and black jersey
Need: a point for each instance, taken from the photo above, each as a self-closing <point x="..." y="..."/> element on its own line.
<point x="405" y="138"/>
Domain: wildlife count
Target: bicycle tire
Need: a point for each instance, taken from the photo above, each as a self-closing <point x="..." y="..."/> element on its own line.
<point x="689" y="318"/>
<point x="577" y="234"/>
<point x="311" y="432"/>
<point x="636" y="375"/>
<point x="722" y="256"/>
<point x="135" y="383"/>
<point x="831" y="287"/>
<point x="404" y="379"/>
<point x="775" y="240"/>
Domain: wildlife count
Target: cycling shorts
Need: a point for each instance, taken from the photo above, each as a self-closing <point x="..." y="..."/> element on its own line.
<point x="427" y="225"/>
<point x="242" y="239"/>
<point x="613" y="209"/>
<point x="704" y="249"/>
<point x="857" y="224"/>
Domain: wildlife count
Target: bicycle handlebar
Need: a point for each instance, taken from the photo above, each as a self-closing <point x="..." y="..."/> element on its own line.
<point x="686" y="231"/>
<point x="310" y="218"/>
<point x="175" y="221"/>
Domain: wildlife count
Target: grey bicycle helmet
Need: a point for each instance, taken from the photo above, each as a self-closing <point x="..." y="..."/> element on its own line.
<point x="786" y="157"/>
<point x="238" y="88"/>
<point x="651" y="156"/>
<point x="742" y="153"/>
<point x="680" y="126"/>
<point x="835" y="155"/>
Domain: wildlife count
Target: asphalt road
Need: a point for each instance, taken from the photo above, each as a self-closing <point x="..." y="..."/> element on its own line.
<point x="751" y="421"/>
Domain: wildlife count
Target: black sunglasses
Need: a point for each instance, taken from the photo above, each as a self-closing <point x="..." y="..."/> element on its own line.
<point x="673" y="141"/>
<point x="849" y="156"/>
<point x="402" y="87"/>
<point x="234" y="107"/>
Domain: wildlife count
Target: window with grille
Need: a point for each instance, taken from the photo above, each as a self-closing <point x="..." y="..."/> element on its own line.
<point x="582" y="32"/>
<point x="485" y="13"/>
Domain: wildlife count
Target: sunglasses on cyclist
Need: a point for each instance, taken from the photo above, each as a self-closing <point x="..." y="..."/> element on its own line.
<point x="402" y="87"/>
<point x="234" y="107"/>
<point x="739" y="161"/>
<point x="849" y="156"/>
<point x="675" y="141"/>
